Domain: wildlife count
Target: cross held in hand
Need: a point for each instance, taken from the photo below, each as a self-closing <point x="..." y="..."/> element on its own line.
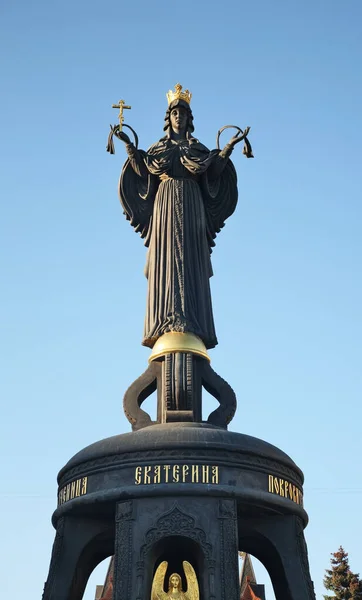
<point x="121" y="105"/>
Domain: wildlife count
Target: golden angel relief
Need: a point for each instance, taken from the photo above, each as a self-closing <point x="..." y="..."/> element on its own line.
<point x="175" y="591"/>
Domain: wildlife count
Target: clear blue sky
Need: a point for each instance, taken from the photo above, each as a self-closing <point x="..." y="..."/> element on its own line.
<point x="287" y="289"/>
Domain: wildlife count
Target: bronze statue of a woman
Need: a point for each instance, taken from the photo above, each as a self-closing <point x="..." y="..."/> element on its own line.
<point x="177" y="195"/>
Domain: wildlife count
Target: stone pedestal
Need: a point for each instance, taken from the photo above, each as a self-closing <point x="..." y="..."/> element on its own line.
<point x="175" y="492"/>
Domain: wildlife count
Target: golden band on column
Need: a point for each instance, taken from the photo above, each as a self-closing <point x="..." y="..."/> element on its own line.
<point x="178" y="342"/>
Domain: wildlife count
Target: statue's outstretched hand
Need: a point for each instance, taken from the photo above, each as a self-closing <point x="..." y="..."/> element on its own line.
<point x="122" y="136"/>
<point x="239" y="137"/>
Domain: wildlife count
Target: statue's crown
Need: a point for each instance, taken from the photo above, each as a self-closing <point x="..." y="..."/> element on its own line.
<point x="178" y="94"/>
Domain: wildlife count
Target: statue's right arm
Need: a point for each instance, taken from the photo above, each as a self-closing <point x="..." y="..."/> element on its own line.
<point x="136" y="160"/>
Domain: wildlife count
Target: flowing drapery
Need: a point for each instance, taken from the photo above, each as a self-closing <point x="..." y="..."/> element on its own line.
<point x="177" y="196"/>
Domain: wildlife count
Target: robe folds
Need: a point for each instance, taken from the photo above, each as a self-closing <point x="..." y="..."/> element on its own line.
<point x="177" y="195"/>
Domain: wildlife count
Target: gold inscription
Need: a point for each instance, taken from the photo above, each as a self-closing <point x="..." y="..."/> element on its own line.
<point x="157" y="478"/>
<point x="285" y="489"/>
<point x="214" y="474"/>
<point x="167" y="470"/>
<point x="147" y="478"/>
<point x="176" y="474"/>
<point x="138" y="476"/>
<point x="205" y="473"/>
<point x="73" y="490"/>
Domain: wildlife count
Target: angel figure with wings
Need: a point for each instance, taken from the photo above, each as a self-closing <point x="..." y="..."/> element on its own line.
<point x="175" y="591"/>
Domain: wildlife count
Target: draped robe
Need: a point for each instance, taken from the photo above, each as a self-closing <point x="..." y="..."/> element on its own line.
<point x="177" y="195"/>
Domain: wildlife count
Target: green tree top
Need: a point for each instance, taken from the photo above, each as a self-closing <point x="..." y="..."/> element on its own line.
<point x="340" y="580"/>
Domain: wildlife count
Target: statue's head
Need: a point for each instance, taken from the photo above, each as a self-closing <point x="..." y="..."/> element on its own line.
<point x="179" y="118"/>
<point x="174" y="583"/>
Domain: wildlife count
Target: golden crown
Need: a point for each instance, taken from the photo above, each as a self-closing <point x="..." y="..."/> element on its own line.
<point x="178" y="94"/>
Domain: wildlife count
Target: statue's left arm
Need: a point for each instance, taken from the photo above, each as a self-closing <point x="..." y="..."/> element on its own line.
<point x="220" y="194"/>
<point x="218" y="183"/>
<point x="219" y="162"/>
<point x="220" y="157"/>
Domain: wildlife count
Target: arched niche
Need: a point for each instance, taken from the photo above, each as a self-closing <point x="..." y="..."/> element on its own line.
<point x="175" y="549"/>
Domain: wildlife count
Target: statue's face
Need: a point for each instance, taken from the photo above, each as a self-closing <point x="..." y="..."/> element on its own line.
<point x="175" y="581"/>
<point x="178" y="118"/>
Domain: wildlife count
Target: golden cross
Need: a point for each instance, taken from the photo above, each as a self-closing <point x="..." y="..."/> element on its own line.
<point x="121" y="105"/>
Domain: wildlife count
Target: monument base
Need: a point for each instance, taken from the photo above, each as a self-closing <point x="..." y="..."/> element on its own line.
<point x="179" y="492"/>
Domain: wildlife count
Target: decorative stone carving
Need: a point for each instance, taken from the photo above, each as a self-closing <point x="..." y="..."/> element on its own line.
<point x="229" y="550"/>
<point x="123" y="565"/>
<point x="177" y="522"/>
